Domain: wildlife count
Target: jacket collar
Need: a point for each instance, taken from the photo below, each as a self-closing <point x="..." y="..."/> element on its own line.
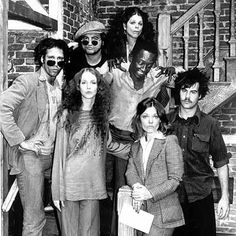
<point x="155" y="151"/>
<point x="197" y="115"/>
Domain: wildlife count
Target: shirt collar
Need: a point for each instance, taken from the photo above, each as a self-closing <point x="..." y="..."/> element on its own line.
<point x="148" y="77"/>
<point x="157" y="135"/>
<point x="58" y="81"/>
<point x="197" y="115"/>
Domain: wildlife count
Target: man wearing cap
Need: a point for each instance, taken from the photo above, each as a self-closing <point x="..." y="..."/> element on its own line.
<point x="89" y="53"/>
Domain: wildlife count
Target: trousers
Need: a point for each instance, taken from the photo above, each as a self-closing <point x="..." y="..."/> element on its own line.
<point x="31" y="189"/>
<point x="80" y="218"/>
<point x="199" y="218"/>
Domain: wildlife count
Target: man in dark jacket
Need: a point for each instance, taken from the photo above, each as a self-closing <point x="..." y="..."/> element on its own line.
<point x="199" y="137"/>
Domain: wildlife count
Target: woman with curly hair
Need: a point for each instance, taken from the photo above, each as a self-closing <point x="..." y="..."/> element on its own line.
<point x="78" y="175"/>
<point x="126" y="29"/>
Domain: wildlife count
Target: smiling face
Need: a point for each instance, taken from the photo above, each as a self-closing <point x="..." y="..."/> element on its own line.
<point x="134" y="26"/>
<point x="149" y="120"/>
<point x="189" y="97"/>
<point x="88" y="85"/>
<point x="91" y="43"/>
<point x="141" y="64"/>
<point x="53" y="54"/>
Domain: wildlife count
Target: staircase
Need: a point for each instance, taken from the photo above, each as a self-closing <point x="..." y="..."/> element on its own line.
<point x="216" y="55"/>
<point x="218" y="59"/>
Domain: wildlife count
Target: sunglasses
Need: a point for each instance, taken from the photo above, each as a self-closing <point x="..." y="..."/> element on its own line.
<point x="85" y="42"/>
<point x="52" y="63"/>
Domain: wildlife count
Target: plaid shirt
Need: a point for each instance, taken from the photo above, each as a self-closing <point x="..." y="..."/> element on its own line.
<point x="199" y="137"/>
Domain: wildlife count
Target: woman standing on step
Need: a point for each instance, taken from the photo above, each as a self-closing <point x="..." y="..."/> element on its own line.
<point x="78" y="176"/>
<point x="155" y="168"/>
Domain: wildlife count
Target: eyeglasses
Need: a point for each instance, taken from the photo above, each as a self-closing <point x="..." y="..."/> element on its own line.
<point x="94" y="42"/>
<point x="52" y="63"/>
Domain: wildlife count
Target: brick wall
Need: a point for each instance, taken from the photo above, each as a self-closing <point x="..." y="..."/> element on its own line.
<point x="21" y="43"/>
<point x="107" y="8"/>
<point x="227" y="118"/>
<point x="75" y="13"/>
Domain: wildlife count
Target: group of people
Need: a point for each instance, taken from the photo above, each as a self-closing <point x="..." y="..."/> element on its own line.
<point x="103" y="96"/>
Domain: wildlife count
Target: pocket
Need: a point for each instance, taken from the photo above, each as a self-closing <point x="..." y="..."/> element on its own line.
<point x="171" y="210"/>
<point x="200" y="143"/>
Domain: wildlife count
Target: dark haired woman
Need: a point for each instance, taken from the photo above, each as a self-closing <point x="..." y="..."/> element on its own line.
<point x="155" y="168"/>
<point x="78" y="176"/>
<point x="126" y="28"/>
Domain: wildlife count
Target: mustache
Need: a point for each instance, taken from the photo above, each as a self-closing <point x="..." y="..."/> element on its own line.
<point x="187" y="100"/>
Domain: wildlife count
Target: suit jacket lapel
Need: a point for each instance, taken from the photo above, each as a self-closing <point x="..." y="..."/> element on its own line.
<point x="155" y="151"/>
<point x="41" y="98"/>
<point x="138" y="153"/>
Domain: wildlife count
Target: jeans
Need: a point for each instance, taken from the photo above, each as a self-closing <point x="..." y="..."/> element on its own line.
<point x="31" y="188"/>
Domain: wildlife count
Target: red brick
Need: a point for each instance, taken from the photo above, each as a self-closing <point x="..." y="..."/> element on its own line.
<point x="31" y="46"/>
<point x="24" y="69"/>
<point x="124" y="3"/>
<point x="18" y="61"/>
<point x="15" y="47"/>
<point x="179" y="2"/>
<point x="106" y="3"/>
<point x="66" y="13"/>
<point x="66" y="27"/>
<point x="24" y="54"/>
<point x="24" y="39"/>
<point x="30" y="61"/>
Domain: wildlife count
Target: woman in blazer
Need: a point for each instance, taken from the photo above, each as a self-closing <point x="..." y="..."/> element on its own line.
<point x="155" y="168"/>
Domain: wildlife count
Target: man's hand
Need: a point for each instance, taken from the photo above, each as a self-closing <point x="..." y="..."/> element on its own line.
<point x="223" y="208"/>
<point x="168" y="71"/>
<point x="116" y="63"/>
<point x="58" y="204"/>
<point x="73" y="45"/>
<point x="31" y="146"/>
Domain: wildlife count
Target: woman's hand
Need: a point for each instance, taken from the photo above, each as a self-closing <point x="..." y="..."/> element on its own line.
<point x="58" y="204"/>
<point x="140" y="192"/>
<point x="137" y="205"/>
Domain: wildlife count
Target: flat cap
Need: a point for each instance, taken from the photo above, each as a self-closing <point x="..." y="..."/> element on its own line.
<point x="90" y="27"/>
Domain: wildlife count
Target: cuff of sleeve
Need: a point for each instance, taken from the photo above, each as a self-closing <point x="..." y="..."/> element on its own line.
<point x="221" y="163"/>
<point x="16" y="140"/>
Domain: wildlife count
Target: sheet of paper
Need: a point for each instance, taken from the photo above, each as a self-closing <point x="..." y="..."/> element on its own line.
<point x="141" y="221"/>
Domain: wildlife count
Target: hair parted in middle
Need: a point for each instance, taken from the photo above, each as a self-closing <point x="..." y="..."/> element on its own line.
<point x="72" y="100"/>
<point x="187" y="79"/>
<point x="164" y="126"/>
<point x="117" y="38"/>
